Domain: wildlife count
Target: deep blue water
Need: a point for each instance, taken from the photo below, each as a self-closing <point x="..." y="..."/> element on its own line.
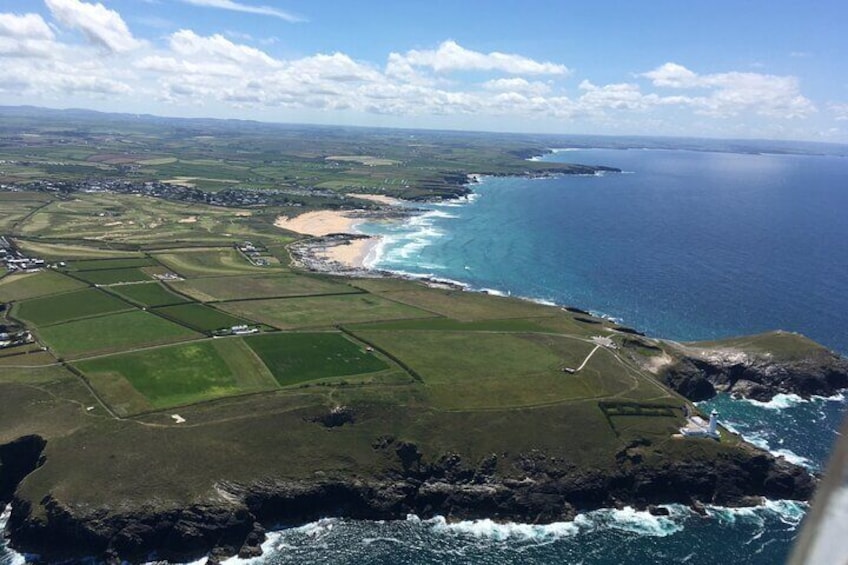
<point x="684" y="245"/>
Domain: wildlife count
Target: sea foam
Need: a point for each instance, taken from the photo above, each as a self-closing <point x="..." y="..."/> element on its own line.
<point x="7" y="556"/>
<point x="634" y="521"/>
<point x="778" y="402"/>
<point x="490" y="529"/>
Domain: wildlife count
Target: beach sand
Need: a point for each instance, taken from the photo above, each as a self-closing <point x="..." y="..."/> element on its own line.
<point x="351" y="254"/>
<point x="378" y="198"/>
<point x="322" y="222"/>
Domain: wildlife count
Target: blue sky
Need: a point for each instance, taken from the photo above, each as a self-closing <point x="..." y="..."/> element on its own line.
<point x="736" y="69"/>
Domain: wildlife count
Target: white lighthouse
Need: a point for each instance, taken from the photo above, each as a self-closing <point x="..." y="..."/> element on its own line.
<point x="712" y="430"/>
<point x="698" y="427"/>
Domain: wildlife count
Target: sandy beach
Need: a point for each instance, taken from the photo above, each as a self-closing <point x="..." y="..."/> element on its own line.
<point x="321" y="222"/>
<point x="378" y="198"/>
<point x="351" y="254"/>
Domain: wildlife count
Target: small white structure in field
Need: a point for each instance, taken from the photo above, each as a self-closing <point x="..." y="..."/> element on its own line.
<point x="697" y="427"/>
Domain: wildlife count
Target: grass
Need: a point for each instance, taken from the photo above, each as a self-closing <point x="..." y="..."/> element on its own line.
<point x="113" y="276"/>
<point x="32" y="285"/>
<point x="460" y="305"/>
<point x="464" y="370"/>
<point x="200" y="317"/>
<point x="447" y="324"/>
<point x="266" y="286"/>
<point x="103" y="264"/>
<point x="489" y="367"/>
<point x="115" y="332"/>
<point x="66" y="251"/>
<point x="69" y="306"/>
<point x="299" y="357"/>
<point x="322" y="311"/>
<point x="148" y="294"/>
<point x="783" y="345"/>
<point x="177" y="375"/>
<point x="210" y="263"/>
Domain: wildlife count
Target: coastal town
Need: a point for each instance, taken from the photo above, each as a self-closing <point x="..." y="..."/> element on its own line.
<point x="228" y="197"/>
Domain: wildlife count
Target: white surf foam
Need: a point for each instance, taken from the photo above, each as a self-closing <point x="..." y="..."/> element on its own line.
<point x="792" y="457"/>
<point x="490" y="529"/>
<point x="838" y="397"/>
<point x="7" y="555"/>
<point x="730" y="516"/>
<point x="273" y="543"/>
<point x="779" y="402"/>
<point x="759" y="439"/>
<point x="494" y="292"/>
<point x="634" y="521"/>
<point x="542" y="301"/>
<point x="790" y="512"/>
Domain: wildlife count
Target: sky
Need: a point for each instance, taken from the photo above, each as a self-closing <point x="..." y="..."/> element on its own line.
<point x="773" y="69"/>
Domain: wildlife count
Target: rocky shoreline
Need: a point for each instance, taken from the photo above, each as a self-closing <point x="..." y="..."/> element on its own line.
<point x="529" y="487"/>
<point x="539" y="489"/>
<point x="532" y="487"/>
<point x="700" y="374"/>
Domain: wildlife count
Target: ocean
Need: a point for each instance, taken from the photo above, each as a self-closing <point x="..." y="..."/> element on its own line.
<point x="685" y="245"/>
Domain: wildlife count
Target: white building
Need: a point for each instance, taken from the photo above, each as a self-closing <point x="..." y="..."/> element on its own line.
<point x="697" y="427"/>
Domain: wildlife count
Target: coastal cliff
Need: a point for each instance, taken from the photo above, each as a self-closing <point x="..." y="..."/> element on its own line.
<point x="533" y="487"/>
<point x="791" y="365"/>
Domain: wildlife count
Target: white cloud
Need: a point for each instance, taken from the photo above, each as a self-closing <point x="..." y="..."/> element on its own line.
<point x="247" y="9"/>
<point x="451" y="84"/>
<point x="29" y="26"/>
<point x="733" y="93"/>
<point x="25" y="35"/>
<point x="517" y="84"/>
<point x="672" y="75"/>
<point x="619" y="96"/>
<point x="450" y="56"/>
<point x="99" y="24"/>
<point x="188" y="44"/>
<point x="839" y="111"/>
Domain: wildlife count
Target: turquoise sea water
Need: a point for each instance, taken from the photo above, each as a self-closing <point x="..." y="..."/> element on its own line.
<point x="683" y="245"/>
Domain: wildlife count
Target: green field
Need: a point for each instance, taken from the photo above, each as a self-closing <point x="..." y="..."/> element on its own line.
<point x="113" y="276"/>
<point x="69" y="306"/>
<point x="491" y="370"/>
<point x="322" y="311"/>
<point x="114" y="332"/>
<point x="365" y="374"/>
<point x="104" y="264"/>
<point x="457" y="304"/>
<point x="66" y="251"/>
<point x="447" y="324"/>
<point x="266" y="286"/>
<point x="298" y="357"/>
<point x="31" y="285"/>
<point x="148" y="294"/>
<point x="200" y="317"/>
<point x="176" y="375"/>
<point x="210" y="263"/>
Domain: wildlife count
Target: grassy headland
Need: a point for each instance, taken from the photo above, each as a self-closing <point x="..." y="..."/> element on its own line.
<point x="386" y="390"/>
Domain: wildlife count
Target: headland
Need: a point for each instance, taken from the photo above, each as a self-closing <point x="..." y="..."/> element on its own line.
<point x="176" y="387"/>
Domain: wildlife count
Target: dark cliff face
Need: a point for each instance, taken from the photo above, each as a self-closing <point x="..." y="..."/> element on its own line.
<point x="700" y="377"/>
<point x="17" y="460"/>
<point x="535" y="488"/>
